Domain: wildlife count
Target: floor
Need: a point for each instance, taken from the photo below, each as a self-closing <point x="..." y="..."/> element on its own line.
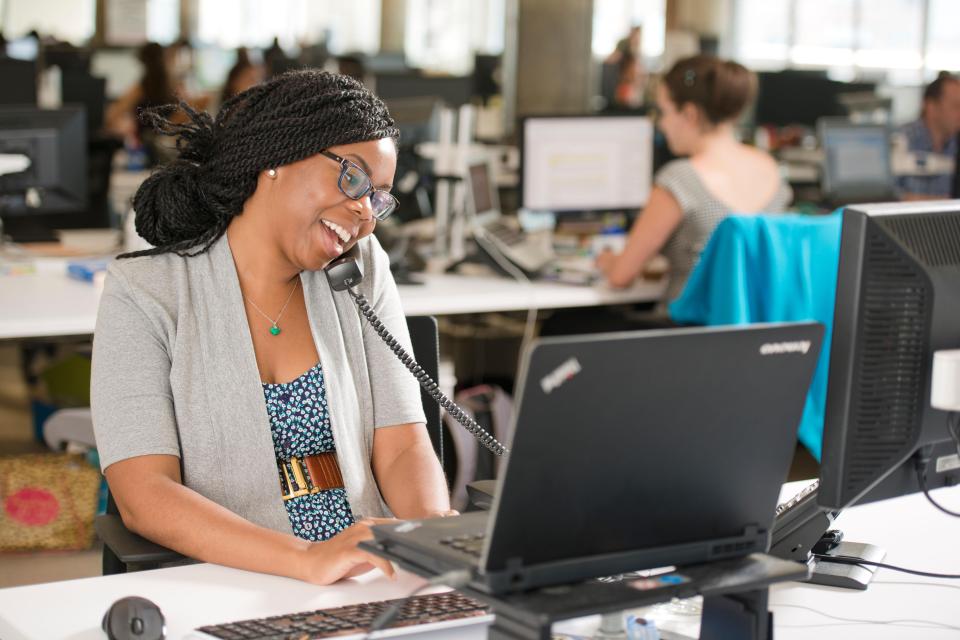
<point x="16" y="436"/>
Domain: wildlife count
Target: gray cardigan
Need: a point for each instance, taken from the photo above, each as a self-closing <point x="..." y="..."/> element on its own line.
<point x="174" y="372"/>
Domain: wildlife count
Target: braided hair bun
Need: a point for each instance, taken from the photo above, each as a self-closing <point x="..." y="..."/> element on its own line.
<point x="185" y="206"/>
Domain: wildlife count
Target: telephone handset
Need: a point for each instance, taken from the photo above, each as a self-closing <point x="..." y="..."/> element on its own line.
<point x="344" y="273"/>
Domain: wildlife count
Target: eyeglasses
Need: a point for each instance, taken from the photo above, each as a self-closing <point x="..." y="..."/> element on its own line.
<point x="355" y="184"/>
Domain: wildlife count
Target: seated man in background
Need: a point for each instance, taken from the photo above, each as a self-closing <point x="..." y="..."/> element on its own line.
<point x="934" y="132"/>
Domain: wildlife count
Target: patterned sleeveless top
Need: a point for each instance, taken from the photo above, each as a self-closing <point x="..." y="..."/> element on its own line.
<point x="702" y="212"/>
<point x="300" y="426"/>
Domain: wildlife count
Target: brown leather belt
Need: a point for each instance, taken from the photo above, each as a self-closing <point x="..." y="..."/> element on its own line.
<point x="310" y="474"/>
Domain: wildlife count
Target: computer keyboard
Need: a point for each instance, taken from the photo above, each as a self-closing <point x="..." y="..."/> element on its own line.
<point x="471" y="544"/>
<point x="350" y="619"/>
<point x="506" y="233"/>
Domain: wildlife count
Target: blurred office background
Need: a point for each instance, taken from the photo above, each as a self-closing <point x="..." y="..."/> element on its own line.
<point x="864" y="61"/>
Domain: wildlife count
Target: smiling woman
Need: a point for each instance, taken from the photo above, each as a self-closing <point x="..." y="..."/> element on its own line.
<point x="243" y="413"/>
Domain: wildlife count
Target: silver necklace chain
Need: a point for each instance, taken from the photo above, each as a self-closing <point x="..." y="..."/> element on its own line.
<point x="273" y="323"/>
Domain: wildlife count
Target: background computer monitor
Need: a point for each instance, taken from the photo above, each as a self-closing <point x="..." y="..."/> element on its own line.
<point x="484" y="201"/>
<point x="801" y="97"/>
<point x="897" y="302"/>
<point x="52" y="192"/>
<point x="19" y="82"/>
<point x="453" y="90"/>
<point x="856" y="161"/>
<point x="586" y="163"/>
<point x="81" y="88"/>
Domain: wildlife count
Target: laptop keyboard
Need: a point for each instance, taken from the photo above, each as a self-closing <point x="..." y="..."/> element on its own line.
<point x="471" y="544"/>
<point x="506" y="233"/>
<point x="351" y="619"/>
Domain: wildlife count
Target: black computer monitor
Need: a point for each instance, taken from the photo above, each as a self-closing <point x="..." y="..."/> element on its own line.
<point x="453" y="90"/>
<point x="80" y="87"/>
<point x="800" y="97"/>
<point x="19" y="82"/>
<point x="51" y="192"/>
<point x="897" y="302"/>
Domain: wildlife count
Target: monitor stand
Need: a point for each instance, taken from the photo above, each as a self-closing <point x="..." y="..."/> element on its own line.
<point x="846" y="576"/>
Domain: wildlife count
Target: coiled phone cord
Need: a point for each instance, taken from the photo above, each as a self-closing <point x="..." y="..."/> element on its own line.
<point x="428" y="384"/>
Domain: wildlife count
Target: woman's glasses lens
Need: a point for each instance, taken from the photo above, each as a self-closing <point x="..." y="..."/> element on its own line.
<point x="354" y="182"/>
<point x="382" y="204"/>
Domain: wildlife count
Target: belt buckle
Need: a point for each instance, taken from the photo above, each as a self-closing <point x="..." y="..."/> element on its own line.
<point x="301" y="479"/>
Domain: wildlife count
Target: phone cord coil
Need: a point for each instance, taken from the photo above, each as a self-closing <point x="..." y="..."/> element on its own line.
<point x="428" y="384"/>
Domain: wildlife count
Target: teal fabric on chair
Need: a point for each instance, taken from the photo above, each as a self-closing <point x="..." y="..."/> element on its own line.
<point x="770" y="268"/>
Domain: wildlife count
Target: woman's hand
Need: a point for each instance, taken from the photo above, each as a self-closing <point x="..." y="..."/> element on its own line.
<point x="443" y="514"/>
<point x="337" y="558"/>
<point x="605" y="261"/>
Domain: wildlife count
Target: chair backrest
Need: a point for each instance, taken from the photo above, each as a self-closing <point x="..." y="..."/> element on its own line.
<point x="424" y="337"/>
<point x="770" y="268"/>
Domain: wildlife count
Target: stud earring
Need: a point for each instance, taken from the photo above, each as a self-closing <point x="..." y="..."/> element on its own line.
<point x="272" y="173"/>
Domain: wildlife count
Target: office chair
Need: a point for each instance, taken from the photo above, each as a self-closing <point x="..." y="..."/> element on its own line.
<point x="770" y="268"/>
<point x="124" y="550"/>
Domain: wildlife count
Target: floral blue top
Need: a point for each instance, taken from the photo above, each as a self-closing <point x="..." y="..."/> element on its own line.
<point x="300" y="426"/>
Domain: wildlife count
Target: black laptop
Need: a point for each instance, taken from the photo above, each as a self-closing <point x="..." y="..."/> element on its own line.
<point x="631" y="451"/>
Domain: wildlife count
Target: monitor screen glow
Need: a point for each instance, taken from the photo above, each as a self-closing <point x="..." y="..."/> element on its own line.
<point x="587" y="163"/>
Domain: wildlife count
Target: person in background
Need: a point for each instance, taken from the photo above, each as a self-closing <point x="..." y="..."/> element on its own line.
<point x="699" y="100"/>
<point x="630" y="44"/>
<point x="156" y="88"/>
<point x="935" y="132"/>
<point x="630" y="82"/>
<point x="244" y="74"/>
<point x="352" y="65"/>
<point x="275" y="59"/>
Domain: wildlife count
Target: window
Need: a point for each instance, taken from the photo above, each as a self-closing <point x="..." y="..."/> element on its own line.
<point x="345" y="26"/>
<point x="70" y="21"/>
<point x="443" y="35"/>
<point x="849" y="37"/>
<point x="762" y="32"/>
<point x="163" y="20"/>
<point x="943" y="41"/>
<point x="612" y="20"/>
<point x="823" y="33"/>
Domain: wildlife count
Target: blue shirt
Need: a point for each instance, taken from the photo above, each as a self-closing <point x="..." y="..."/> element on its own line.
<point x="300" y="426"/>
<point x="920" y="141"/>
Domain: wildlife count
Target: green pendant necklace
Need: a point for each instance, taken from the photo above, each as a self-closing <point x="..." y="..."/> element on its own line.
<point x="274" y="327"/>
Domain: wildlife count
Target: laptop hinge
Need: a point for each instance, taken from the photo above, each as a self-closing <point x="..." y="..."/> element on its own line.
<point x="514" y="564"/>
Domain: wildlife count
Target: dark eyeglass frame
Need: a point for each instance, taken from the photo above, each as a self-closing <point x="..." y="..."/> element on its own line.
<point x="391" y="200"/>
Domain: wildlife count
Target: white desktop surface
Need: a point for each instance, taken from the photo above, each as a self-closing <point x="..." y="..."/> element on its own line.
<point x="47" y="303"/>
<point x="915" y="535"/>
<point x="913" y="532"/>
<point x="189" y="597"/>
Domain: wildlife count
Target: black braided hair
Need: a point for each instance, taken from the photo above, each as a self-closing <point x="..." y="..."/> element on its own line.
<point x="185" y="206"/>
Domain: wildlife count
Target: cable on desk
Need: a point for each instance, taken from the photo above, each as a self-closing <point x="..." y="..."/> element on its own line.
<point x="860" y="561"/>
<point x="907" y="622"/>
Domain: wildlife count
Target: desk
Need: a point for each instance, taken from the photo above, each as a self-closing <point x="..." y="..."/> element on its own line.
<point x="48" y="304"/>
<point x="915" y="535"/>
<point x="913" y="532"/>
<point x="190" y="597"/>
